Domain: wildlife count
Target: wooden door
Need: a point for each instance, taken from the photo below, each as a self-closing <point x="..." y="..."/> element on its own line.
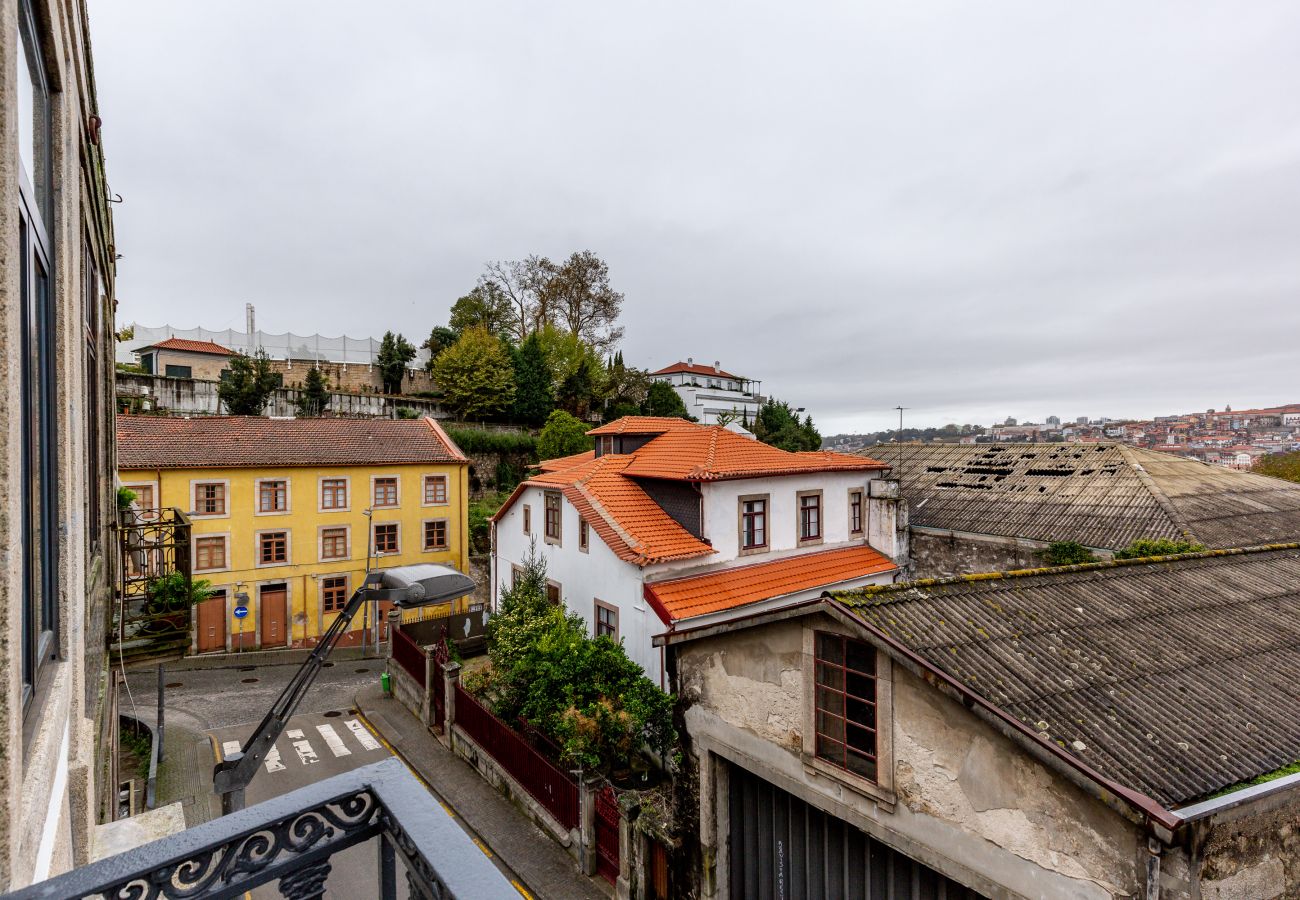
<point x="272" y="616"/>
<point x="381" y="610"/>
<point x="212" y="623"/>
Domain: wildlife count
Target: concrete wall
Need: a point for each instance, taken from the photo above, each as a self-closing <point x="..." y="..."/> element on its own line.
<point x="941" y="554"/>
<point x="198" y="397"/>
<point x="963" y="798"/>
<point x="1250" y="853"/>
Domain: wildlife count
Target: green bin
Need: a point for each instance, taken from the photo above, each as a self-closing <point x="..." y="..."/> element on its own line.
<point x="386" y="682"/>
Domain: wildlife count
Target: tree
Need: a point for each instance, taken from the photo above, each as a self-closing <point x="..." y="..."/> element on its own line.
<point x="579" y="296"/>
<point x="662" y="400"/>
<point x="520" y="283"/>
<point x="578" y="390"/>
<point x="1279" y="465"/>
<point x="439" y="340"/>
<point x="625" y="388"/>
<point x="486" y="306"/>
<point x="314" y="397"/>
<point x="534" y="395"/>
<point x="475" y="375"/>
<point x="778" y="424"/>
<point x="563" y="435"/>
<point x="395" y="352"/>
<point x="247" y="387"/>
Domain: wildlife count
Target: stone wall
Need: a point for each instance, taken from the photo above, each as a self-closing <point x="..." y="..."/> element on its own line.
<point x="350" y="378"/>
<point x="1252" y="852"/>
<point x="197" y="397"/>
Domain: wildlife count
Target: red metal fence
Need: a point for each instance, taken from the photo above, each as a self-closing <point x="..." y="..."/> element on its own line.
<point x="550" y="785"/>
<point x="408" y="654"/>
<point x="607" y="847"/>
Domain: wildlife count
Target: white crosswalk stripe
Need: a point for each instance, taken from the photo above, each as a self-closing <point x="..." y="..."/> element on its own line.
<point x="306" y="755"/>
<point x="229" y="747"/>
<point x="364" y="737"/>
<point x="273" y="763"/>
<point x="333" y="741"/>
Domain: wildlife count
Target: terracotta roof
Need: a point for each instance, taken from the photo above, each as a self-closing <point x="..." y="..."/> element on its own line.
<point x="621" y="513"/>
<point x="1101" y="495"/>
<point x="188" y="346"/>
<point x="712" y="453"/>
<point x="220" y="442"/>
<point x="566" y="462"/>
<point x="642" y="425"/>
<point x="1170" y="676"/>
<point x="682" y="598"/>
<point x="695" y="369"/>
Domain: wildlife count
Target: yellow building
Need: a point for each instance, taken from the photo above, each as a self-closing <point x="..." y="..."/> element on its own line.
<point x="286" y="511"/>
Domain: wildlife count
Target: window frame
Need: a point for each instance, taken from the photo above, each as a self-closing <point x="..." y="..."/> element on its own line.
<point x="260" y="536"/>
<point x="374" y="537"/>
<point x="559" y="592"/>
<point x="325" y="608"/>
<point x="860" y="496"/>
<point x="528" y="518"/>
<point x="224" y="537"/>
<point x="820" y="536"/>
<point x="258" y="484"/>
<point x="347" y="494"/>
<point x="766" y="500"/>
<point x="596" y="624"/>
<point x="584" y="535"/>
<point x="397" y="491"/>
<point x="553" y="502"/>
<point x="882" y="789"/>
<point x="320" y="542"/>
<point x="446" y="535"/>
<point x="446" y="490"/>
<point x="195" y="484"/>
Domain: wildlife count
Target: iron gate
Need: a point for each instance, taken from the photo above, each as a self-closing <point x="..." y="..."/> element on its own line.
<point x="781" y="847"/>
<point x="607" y="816"/>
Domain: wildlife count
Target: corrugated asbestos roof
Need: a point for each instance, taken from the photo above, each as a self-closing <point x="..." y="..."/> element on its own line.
<point x="227" y="442"/>
<point x="1176" y="677"/>
<point x="1101" y="495"/>
<point x="739" y="586"/>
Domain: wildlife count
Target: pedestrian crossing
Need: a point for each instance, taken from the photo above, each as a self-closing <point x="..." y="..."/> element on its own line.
<point x="307" y="744"/>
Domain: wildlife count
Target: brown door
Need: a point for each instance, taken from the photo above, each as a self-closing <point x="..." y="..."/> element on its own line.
<point x="381" y="610"/>
<point x="212" y="623"/>
<point x="272" y="615"/>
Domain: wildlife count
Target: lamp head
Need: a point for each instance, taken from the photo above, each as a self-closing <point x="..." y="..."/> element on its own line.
<point x="421" y="584"/>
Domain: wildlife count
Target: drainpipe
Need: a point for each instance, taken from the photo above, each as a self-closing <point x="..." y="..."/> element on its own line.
<point x="1154" y="849"/>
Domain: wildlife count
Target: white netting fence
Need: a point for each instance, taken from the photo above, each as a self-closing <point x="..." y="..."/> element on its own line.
<point x="277" y="346"/>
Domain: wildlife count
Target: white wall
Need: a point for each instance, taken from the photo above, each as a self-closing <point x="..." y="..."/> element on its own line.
<point x="583" y="577"/>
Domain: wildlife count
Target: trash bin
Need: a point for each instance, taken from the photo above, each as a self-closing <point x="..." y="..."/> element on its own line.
<point x="386" y="683"/>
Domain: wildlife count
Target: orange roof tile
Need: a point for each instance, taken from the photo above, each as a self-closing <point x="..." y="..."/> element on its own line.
<point x="712" y="453"/>
<point x="561" y="463"/>
<point x="682" y="598"/>
<point x="188" y="346"/>
<point x="643" y="425"/>
<point x="694" y="369"/>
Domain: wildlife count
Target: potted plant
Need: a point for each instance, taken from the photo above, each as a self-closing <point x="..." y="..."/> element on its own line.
<point x="168" y="599"/>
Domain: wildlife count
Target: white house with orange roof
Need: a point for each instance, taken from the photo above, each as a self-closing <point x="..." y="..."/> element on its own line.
<point x="667" y="521"/>
<point x="709" y="391"/>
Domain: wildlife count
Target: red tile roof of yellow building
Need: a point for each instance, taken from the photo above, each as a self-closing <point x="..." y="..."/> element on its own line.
<point x="189" y="346"/>
<point x="725" y="589"/>
<point x="221" y="442"/>
<point x="566" y="462"/>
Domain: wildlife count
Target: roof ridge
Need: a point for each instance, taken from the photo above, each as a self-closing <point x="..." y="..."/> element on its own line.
<point x="441" y="434"/>
<point x="1162" y="500"/>
<point x="878" y="589"/>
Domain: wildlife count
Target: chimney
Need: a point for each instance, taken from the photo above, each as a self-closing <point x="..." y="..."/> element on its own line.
<point x="690" y="360"/>
<point x="249" y="317"/>
<point x="717" y="366"/>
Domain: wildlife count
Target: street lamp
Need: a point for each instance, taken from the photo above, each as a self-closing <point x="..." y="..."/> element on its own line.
<point x="406" y="587"/>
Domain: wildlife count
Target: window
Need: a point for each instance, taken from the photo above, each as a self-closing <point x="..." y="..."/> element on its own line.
<point x="528" y="519"/>
<point x="553" y="592"/>
<point x="810" y="516"/>
<point x="386" y="537"/>
<point x="210" y="498"/>
<point x="273" y="496"/>
<point x="209" y="553"/>
<point x="334" y="593"/>
<point x="144" y="498"/>
<point x="435" y="490"/>
<point x="334" y="543"/>
<point x="272" y="548"/>
<point x="584" y="535"/>
<point x="606" y="621"/>
<point x="845" y="707"/>
<point x="385" y="492"/>
<point x="333" y="493"/>
<point x="753" y="523"/>
<point x="552" y="507"/>
<point x="855" y="512"/>
<point x="179" y="371"/>
<point x="435" y="534"/>
<point x="91" y="307"/>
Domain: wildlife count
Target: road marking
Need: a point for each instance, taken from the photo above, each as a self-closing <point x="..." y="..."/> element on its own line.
<point x="520" y="888"/>
<point x="364" y="738"/>
<point x="482" y="846"/>
<point x="294" y="734"/>
<point x="229" y="747"/>
<point x="273" y="763"/>
<point x="305" y="753"/>
<point x="333" y="741"/>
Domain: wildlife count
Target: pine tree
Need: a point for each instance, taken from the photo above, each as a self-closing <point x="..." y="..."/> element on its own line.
<point x="314" y="398"/>
<point x="533" y="397"/>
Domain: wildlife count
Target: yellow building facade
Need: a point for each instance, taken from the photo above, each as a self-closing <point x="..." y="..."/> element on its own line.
<point x="287" y="513"/>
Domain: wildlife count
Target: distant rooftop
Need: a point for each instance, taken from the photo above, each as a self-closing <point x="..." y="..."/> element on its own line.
<point x="187" y="346"/>
<point x="690" y="367"/>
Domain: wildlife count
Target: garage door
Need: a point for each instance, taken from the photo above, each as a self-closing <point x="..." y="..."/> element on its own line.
<point x="783" y="848"/>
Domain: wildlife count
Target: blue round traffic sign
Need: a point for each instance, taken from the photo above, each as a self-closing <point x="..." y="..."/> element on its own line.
<point x="241" y="611"/>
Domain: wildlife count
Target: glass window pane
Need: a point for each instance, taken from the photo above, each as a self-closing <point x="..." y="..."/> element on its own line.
<point x="831" y="701"/>
<point x="830" y="726"/>
<point x="830" y="750"/>
<point x="863" y="686"/>
<point x="830" y="647"/>
<point x="862" y="739"/>
<point x="861" y="765"/>
<point x="861" y="657"/>
<point x="861" y="712"/>
<point x="830" y="676"/>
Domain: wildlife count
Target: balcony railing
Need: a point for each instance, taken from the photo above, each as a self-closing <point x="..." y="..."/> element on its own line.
<point x="153" y="610"/>
<point x="292" y="840"/>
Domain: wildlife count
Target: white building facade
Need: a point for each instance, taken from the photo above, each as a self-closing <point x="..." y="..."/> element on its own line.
<point x="638" y="549"/>
<point x="710" y="392"/>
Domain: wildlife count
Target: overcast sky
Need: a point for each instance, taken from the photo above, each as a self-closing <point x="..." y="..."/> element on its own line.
<point x="971" y="209"/>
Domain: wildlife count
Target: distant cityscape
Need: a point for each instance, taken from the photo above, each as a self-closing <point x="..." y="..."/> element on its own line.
<point x="1230" y="438"/>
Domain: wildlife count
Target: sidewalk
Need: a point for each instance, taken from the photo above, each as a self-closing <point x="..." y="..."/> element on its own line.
<point x="547" y="871"/>
<point x="185" y="774"/>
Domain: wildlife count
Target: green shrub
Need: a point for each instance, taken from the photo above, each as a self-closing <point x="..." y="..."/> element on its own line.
<point x="405" y="412"/>
<point x="172" y="592"/>
<point x="563" y="435"/>
<point x="125" y="497"/>
<point x="1067" y="553"/>
<point x="478" y="440"/>
<point x="1141" y="549"/>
